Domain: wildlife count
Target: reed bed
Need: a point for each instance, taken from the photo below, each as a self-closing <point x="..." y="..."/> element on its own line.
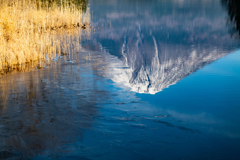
<point x="36" y="30"/>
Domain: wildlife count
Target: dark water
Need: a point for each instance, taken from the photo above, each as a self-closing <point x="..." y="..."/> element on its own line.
<point x="158" y="79"/>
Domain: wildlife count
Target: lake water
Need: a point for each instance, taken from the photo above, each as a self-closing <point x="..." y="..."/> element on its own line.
<point x="157" y="79"/>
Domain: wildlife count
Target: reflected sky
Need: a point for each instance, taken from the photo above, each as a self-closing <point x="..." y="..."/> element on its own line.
<point x="157" y="79"/>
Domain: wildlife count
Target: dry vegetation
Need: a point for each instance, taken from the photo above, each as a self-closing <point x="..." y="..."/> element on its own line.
<point x="31" y="30"/>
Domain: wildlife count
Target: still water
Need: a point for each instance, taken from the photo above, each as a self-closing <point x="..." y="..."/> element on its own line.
<point x="157" y="79"/>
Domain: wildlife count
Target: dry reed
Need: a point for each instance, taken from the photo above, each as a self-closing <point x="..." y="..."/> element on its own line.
<point x="31" y="30"/>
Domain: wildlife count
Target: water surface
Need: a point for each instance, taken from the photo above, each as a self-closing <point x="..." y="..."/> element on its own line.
<point x="157" y="79"/>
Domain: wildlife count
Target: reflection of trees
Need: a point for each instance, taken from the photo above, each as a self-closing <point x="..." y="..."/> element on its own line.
<point x="234" y="14"/>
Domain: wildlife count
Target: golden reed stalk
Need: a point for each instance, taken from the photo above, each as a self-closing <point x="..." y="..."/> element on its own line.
<point x="30" y="30"/>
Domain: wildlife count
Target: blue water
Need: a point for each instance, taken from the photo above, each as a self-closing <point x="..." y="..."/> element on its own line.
<point x="157" y="79"/>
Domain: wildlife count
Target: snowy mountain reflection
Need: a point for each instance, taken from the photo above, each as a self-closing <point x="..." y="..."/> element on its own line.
<point x="162" y="44"/>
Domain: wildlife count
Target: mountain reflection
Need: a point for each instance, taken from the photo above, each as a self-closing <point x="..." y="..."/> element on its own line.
<point x="164" y="42"/>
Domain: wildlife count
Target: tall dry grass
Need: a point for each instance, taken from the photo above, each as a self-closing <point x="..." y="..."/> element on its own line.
<point x="31" y="30"/>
